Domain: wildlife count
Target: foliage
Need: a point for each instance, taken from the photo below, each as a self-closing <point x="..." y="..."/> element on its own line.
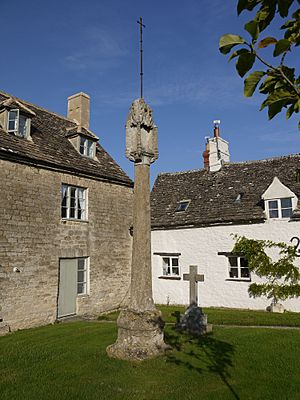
<point x="282" y="275"/>
<point x="278" y="82"/>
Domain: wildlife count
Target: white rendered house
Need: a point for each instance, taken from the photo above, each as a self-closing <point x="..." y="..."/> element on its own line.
<point x="196" y="213"/>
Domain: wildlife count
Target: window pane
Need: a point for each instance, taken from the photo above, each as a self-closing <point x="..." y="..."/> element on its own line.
<point x="13" y="115"/>
<point x="233" y="273"/>
<point x="175" y="262"/>
<point x="81" y="276"/>
<point x="81" y="288"/>
<point x="11" y="125"/>
<point x="244" y="262"/>
<point x="90" y="151"/>
<point x="175" y="270"/>
<point x="64" y="212"/>
<point x="22" y="125"/>
<point x="273" y="204"/>
<point x="166" y="261"/>
<point x="81" y="263"/>
<point x="82" y="145"/>
<point x="286" y="213"/>
<point x="245" y="273"/>
<point x="233" y="261"/>
<point x="286" y="203"/>
<point x="72" y="212"/>
<point x="273" y="213"/>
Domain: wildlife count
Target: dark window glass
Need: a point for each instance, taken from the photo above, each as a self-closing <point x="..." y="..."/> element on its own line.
<point x="286" y="203"/>
<point x="182" y="206"/>
<point x="233" y="261"/>
<point x="273" y="213"/>
<point x="286" y="213"/>
<point x="233" y="273"/>
<point x="273" y="204"/>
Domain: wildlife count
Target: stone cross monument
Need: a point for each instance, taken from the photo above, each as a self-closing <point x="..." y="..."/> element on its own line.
<point x="140" y="327"/>
<point x="194" y="320"/>
<point x="193" y="278"/>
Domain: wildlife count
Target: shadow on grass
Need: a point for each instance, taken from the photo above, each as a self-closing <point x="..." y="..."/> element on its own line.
<point x="201" y="353"/>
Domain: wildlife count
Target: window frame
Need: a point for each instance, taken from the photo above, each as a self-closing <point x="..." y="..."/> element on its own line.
<point x="77" y="198"/>
<point x="170" y="266"/>
<point x="86" y="274"/>
<point x="16" y="130"/>
<point x="181" y="203"/>
<point x="279" y="208"/>
<point x="87" y="148"/>
<point x="239" y="267"/>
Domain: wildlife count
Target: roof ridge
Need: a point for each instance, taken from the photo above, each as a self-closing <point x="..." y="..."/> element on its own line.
<point x="38" y="107"/>
<point x="229" y="164"/>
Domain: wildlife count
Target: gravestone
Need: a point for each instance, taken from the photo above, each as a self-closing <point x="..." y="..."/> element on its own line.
<point x="140" y="326"/>
<point x="194" y="320"/>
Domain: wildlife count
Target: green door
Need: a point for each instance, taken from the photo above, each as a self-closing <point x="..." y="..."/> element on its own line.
<point x="67" y="291"/>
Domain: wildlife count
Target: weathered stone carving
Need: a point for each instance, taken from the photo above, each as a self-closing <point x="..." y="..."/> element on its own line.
<point x="140" y="327"/>
<point x="141" y="133"/>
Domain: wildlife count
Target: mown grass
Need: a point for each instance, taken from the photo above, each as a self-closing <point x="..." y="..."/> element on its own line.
<point x="226" y="316"/>
<point x="69" y="361"/>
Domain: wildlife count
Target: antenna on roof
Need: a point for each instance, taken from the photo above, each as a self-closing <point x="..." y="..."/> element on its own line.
<point x="140" y="22"/>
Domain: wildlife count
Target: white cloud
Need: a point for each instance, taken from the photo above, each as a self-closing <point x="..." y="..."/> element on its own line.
<point x="97" y="49"/>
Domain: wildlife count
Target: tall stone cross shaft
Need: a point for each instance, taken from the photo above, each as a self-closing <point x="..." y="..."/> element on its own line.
<point x="193" y="278"/>
<point x="140" y="327"/>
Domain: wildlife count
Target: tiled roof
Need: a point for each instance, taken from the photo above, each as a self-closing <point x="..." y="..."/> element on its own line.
<point x="51" y="149"/>
<point x="229" y="196"/>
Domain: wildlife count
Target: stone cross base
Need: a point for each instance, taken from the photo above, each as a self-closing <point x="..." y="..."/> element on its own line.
<point x="140" y="336"/>
<point x="193" y="321"/>
<point x="4" y="329"/>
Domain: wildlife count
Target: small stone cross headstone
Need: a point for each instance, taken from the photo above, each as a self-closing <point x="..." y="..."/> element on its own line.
<point x="193" y="278"/>
<point x="194" y="320"/>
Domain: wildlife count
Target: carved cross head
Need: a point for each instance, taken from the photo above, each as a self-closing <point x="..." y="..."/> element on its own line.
<point x="141" y="134"/>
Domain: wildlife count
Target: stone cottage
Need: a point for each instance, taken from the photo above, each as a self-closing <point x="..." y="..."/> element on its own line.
<point x="195" y="213"/>
<point x="65" y="243"/>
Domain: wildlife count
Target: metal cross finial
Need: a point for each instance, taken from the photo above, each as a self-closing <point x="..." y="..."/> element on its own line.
<point x="140" y="22"/>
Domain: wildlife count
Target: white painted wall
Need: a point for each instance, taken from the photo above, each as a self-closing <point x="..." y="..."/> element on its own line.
<point x="200" y="246"/>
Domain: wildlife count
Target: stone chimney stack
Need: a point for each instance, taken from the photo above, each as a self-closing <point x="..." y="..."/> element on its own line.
<point x="79" y="109"/>
<point x="216" y="151"/>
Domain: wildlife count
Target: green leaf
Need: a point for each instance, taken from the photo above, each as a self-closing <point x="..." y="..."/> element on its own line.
<point x="266" y="42"/>
<point x="251" y="82"/>
<point x="277" y="96"/>
<point x="252" y="28"/>
<point x="275" y="108"/>
<point x="246" y="5"/>
<point x="245" y="63"/>
<point x="238" y="53"/>
<point x="267" y="85"/>
<point x="283" y="7"/>
<point x="281" y="46"/>
<point x="289" y="111"/>
<point x="228" y="41"/>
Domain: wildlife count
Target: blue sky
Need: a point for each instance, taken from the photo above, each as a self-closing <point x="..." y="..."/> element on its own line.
<point x="53" y="49"/>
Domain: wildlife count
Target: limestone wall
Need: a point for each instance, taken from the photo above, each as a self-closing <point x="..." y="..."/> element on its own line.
<point x="33" y="238"/>
<point x="200" y="246"/>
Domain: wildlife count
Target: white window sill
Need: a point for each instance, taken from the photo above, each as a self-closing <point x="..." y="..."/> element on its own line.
<point x="65" y="220"/>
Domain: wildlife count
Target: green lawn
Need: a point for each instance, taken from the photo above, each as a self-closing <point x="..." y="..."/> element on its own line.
<point x="69" y="361"/>
<point x="225" y="316"/>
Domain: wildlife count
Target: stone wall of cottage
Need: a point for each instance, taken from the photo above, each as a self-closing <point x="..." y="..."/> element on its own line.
<point x="33" y="238"/>
<point x="200" y="246"/>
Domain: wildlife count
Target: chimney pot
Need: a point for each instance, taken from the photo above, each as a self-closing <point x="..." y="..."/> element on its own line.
<point x="79" y="109"/>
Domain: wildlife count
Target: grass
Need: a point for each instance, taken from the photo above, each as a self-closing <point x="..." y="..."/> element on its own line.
<point x="225" y="316"/>
<point x="69" y="361"/>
